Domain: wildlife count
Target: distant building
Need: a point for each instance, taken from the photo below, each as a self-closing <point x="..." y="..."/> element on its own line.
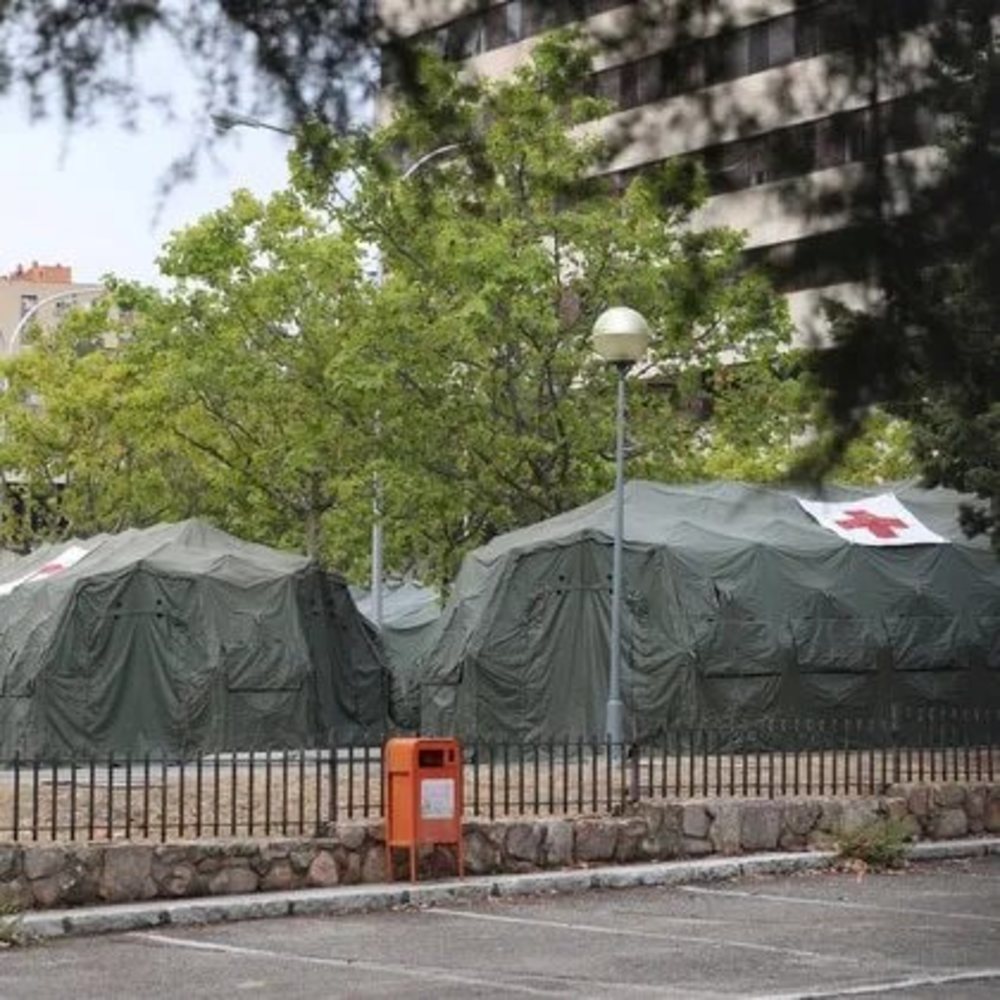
<point x="792" y="106"/>
<point x="40" y="293"/>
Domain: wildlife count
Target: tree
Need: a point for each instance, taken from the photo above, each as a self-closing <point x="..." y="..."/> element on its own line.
<point x="275" y="380"/>
<point x="494" y="412"/>
<point x="931" y="353"/>
<point x="83" y="448"/>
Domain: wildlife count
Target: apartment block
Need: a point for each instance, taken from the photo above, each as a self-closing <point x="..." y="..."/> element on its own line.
<point x="38" y="293"/>
<point x="795" y="108"/>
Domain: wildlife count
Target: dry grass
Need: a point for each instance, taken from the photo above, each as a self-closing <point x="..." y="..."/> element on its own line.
<point x="295" y="794"/>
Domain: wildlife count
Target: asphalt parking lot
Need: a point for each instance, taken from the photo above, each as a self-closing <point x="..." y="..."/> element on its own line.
<point x="930" y="931"/>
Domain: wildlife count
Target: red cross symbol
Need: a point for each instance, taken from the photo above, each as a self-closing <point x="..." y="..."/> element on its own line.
<point x="880" y="527"/>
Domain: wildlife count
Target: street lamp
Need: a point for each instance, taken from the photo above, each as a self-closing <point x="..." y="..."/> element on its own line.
<point x="621" y="337"/>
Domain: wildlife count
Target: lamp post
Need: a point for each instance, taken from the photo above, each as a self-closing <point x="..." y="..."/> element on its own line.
<point x="621" y="337"/>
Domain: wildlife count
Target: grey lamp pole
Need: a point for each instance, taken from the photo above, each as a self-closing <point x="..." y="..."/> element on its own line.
<point x="621" y="337"/>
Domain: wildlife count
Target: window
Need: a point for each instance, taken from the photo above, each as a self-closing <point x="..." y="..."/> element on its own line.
<point x="649" y="85"/>
<point x="760" y="52"/>
<point x="504" y="24"/>
<point x="28" y="302"/>
<point x="628" y="85"/>
<point x="781" y="40"/>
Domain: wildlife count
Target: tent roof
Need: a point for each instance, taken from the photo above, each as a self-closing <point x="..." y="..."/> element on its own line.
<point x="187" y="547"/>
<point x="721" y="515"/>
<point x="406" y="605"/>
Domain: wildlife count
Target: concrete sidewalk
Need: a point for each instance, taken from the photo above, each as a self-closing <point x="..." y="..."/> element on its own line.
<point x="364" y="898"/>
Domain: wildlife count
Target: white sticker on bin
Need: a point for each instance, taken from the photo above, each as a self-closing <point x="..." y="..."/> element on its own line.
<point x="437" y="798"/>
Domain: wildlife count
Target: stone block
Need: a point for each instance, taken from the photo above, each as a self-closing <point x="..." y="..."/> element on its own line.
<point x="523" y="842"/>
<point x="558" y="843"/>
<point x="352" y="835"/>
<point x="349" y="863"/>
<point x="831" y="816"/>
<point x="949" y="823"/>
<point x="596" y="839"/>
<point x="919" y="801"/>
<point x="43" y="862"/>
<point x="950" y="796"/>
<point x="127" y="873"/>
<point x="233" y="881"/>
<point x="799" y="818"/>
<point x="279" y="877"/>
<point x="178" y="880"/>
<point x="631" y="845"/>
<point x="822" y="840"/>
<point x="695" y="847"/>
<point x="482" y="855"/>
<point x="857" y="813"/>
<point x="10" y="861"/>
<point x="47" y="892"/>
<point x="760" y="826"/>
<point x="895" y="807"/>
<point x="373" y="864"/>
<point x="323" y="871"/>
<point x="301" y="857"/>
<point x="975" y="803"/>
<point x="696" y="822"/>
<point x="725" y="830"/>
<point x="664" y="833"/>
<point x="991" y="817"/>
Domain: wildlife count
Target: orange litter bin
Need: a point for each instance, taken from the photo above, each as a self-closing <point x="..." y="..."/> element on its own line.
<point x="422" y="785"/>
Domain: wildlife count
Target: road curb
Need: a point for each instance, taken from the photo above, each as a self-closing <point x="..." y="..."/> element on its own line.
<point x="123" y="917"/>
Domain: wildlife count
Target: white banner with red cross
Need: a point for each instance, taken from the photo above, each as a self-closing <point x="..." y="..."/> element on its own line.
<point x="879" y="520"/>
<point x="69" y="557"/>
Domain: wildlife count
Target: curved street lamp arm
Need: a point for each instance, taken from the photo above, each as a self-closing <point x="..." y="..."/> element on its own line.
<point x="23" y="322"/>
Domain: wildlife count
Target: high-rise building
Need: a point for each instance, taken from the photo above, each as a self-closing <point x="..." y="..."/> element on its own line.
<point x="804" y="113"/>
<point x="40" y="293"/>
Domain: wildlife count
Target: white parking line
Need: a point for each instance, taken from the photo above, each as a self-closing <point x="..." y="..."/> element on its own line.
<point x="627" y="932"/>
<point x="430" y="975"/>
<point x="840" y="903"/>
<point x="581" y="986"/>
<point x="886" y="986"/>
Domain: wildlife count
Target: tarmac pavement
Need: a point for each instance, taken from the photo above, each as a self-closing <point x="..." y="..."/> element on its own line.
<point x="769" y="927"/>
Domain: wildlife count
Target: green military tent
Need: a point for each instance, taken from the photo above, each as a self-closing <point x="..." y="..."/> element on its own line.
<point x="409" y="612"/>
<point x="738" y="605"/>
<point x="178" y="639"/>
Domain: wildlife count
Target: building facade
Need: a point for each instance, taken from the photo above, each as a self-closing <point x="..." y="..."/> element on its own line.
<point x="40" y="293"/>
<point x="805" y="114"/>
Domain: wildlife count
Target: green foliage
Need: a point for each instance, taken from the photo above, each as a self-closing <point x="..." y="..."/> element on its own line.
<point x="878" y="845"/>
<point x="11" y="931"/>
<point x="270" y="385"/>
<point x="931" y="355"/>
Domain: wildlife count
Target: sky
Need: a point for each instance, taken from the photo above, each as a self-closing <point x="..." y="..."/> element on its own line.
<point x="88" y="197"/>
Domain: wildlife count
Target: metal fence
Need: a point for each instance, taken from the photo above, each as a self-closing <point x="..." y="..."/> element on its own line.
<point x="302" y="792"/>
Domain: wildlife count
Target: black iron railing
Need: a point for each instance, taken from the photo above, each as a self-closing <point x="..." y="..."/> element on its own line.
<point x="303" y="792"/>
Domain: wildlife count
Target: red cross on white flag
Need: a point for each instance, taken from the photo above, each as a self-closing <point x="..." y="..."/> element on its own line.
<point x="878" y="520"/>
<point x="68" y="557"/>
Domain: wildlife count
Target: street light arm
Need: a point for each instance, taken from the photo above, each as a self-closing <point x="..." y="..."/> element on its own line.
<point x="427" y="157"/>
<point x="226" y="120"/>
<point x="23" y="322"/>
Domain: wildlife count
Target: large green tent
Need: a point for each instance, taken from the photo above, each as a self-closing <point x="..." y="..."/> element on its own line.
<point x="409" y="611"/>
<point x="178" y="639"/>
<point x="738" y="606"/>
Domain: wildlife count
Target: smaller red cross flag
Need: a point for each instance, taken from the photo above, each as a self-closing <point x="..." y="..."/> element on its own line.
<point x="878" y="520"/>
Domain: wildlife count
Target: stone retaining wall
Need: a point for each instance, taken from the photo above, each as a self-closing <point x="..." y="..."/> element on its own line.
<point x="57" y="875"/>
